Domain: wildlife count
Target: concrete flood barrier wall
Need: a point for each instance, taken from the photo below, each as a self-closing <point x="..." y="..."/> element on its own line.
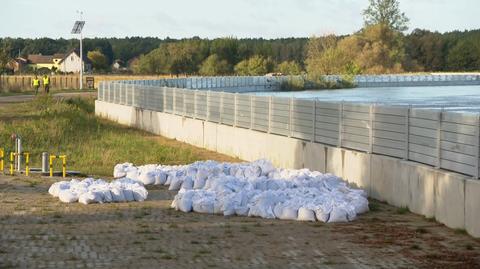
<point x="395" y="153"/>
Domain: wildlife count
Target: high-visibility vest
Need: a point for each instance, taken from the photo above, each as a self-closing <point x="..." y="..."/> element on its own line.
<point x="36" y="82"/>
<point x="46" y="81"/>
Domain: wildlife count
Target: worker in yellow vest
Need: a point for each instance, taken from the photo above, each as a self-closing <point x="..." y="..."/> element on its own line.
<point x="36" y="84"/>
<point x="46" y="83"/>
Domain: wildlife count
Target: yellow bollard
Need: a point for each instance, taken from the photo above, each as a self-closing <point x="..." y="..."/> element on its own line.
<point x="27" y="160"/>
<point x="52" y="157"/>
<point x="64" y="164"/>
<point x="12" y="160"/>
<point x="2" y="155"/>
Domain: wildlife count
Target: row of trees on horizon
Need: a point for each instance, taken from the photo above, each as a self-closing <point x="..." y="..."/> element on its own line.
<point x="381" y="46"/>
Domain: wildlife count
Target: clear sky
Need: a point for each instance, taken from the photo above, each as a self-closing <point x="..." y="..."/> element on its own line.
<point x="219" y="18"/>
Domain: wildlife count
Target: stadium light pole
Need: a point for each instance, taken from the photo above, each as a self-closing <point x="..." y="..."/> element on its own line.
<point x="77" y="29"/>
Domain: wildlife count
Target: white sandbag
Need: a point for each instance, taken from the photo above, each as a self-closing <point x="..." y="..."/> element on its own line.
<point x="87" y="198"/>
<point x="199" y="182"/>
<point x="338" y="214"/>
<point x="203" y="204"/>
<point x="175" y="184"/>
<point x="322" y="215"/>
<point x="67" y="196"/>
<point x="185" y="203"/>
<point x="305" y="214"/>
<point x="107" y="196"/>
<point x="140" y="194"/>
<point x="128" y="195"/>
<point x="187" y="183"/>
<point x="118" y="195"/>
<point x="56" y="187"/>
<point x="147" y="178"/>
<point x="289" y="213"/>
<point x="160" y="178"/>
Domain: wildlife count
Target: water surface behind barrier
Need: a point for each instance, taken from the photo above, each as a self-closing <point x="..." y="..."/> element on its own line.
<point x="462" y="98"/>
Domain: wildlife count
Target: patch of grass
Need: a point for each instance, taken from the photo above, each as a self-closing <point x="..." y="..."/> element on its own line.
<point x="461" y="231"/>
<point x="167" y="256"/>
<point x="173" y="225"/>
<point x="402" y="210"/>
<point x="374" y="207"/>
<point x="92" y="145"/>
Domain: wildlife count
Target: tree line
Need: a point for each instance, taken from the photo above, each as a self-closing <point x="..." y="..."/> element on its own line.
<point x="381" y="46"/>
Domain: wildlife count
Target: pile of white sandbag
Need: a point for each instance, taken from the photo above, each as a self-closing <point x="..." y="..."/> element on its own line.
<point x="90" y="191"/>
<point x="253" y="189"/>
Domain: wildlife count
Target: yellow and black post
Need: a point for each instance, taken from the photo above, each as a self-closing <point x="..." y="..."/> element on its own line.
<point x="52" y="157"/>
<point x="64" y="164"/>
<point x="12" y="161"/>
<point x="27" y="161"/>
<point x="2" y="155"/>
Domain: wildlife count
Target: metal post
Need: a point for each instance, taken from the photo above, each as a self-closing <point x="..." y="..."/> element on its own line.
<point x="184" y="104"/>
<point x="251" y="111"/>
<point x="27" y="161"/>
<point x="208" y="106"/>
<point x="290" y="118"/>
<point x="44" y="162"/>
<point x="270" y="113"/>
<point x="407" y="132"/>
<point x="314" y="120"/>
<point x="52" y="157"/>
<point x="370" y="129"/>
<point x="195" y="104"/>
<point x="81" y="61"/>
<point x="235" y="101"/>
<point x="19" y="153"/>
<point x="340" y="124"/>
<point x="174" y="105"/>
<point x="477" y="146"/>
<point x="222" y="96"/>
<point x="439" y="134"/>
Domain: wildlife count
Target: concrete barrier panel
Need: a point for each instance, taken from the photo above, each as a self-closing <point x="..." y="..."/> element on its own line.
<point x="314" y="157"/>
<point x="421" y="189"/>
<point x="334" y="161"/>
<point x="284" y="151"/>
<point x="192" y="132"/>
<point x="210" y="136"/>
<point x="450" y="199"/>
<point x="356" y="169"/>
<point x="226" y="140"/>
<point x="472" y="207"/>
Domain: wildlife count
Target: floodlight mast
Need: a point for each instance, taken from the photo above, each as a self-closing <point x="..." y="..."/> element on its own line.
<point x="77" y="29"/>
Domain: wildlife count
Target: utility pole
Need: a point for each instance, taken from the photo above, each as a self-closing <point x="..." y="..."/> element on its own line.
<point x="77" y="29"/>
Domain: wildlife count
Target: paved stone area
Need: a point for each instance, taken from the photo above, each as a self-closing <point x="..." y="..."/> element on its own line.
<point x="38" y="231"/>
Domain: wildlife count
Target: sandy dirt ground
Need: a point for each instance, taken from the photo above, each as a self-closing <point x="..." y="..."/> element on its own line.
<point x="38" y="231"/>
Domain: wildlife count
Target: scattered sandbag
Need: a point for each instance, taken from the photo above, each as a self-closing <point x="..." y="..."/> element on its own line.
<point x="305" y="214"/>
<point x="90" y="190"/>
<point x="67" y="196"/>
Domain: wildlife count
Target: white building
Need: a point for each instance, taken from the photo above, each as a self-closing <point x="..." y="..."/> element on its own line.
<point x="70" y="63"/>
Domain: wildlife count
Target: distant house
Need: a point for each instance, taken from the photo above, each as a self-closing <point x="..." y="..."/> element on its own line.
<point x="38" y="61"/>
<point x="63" y="62"/>
<point x="70" y="63"/>
<point x="17" y="64"/>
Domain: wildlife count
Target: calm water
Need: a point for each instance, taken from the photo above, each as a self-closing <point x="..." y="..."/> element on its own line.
<point x="450" y="97"/>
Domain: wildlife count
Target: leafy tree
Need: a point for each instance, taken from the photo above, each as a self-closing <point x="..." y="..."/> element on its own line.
<point x="323" y="56"/>
<point x="255" y="66"/>
<point x="4" y="55"/>
<point x="386" y="12"/>
<point x="464" y="56"/>
<point x="289" y="68"/>
<point x="213" y="65"/>
<point x="98" y="59"/>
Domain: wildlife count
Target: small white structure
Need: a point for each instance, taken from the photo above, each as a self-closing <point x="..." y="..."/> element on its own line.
<point x="70" y="63"/>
